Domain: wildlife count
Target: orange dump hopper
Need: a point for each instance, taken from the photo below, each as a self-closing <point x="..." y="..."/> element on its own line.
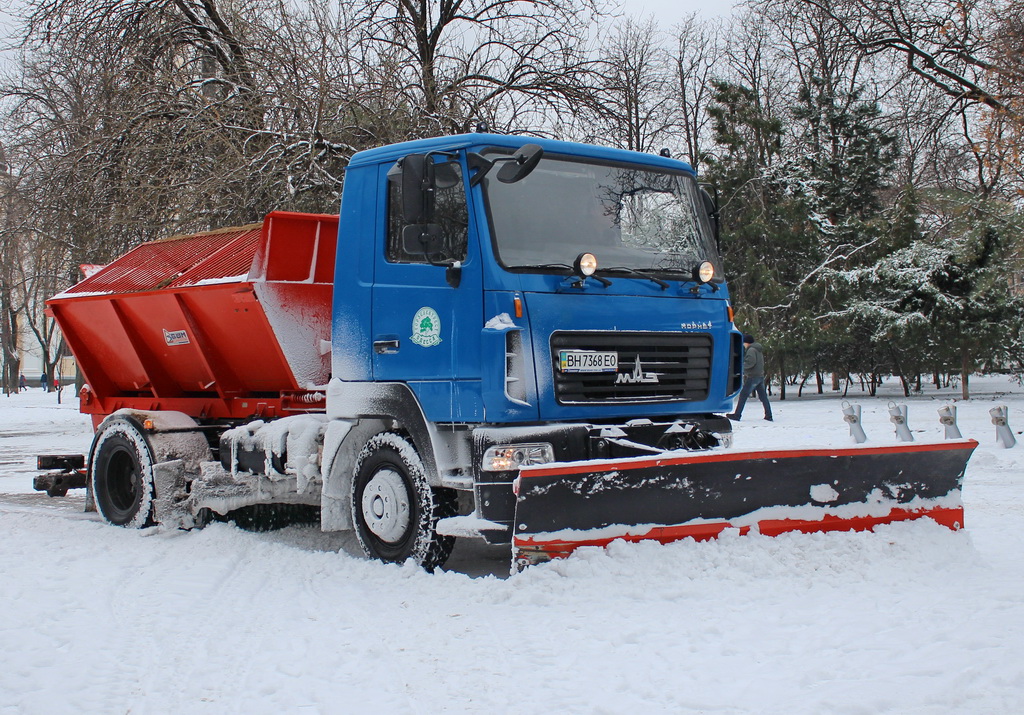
<point x="233" y="323"/>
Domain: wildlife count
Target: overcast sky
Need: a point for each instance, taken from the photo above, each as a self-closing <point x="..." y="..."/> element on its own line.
<point x="5" y="19"/>
<point x="669" y="12"/>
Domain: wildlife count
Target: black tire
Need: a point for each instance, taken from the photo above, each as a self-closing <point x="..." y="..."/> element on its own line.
<point x="121" y="473"/>
<point x="394" y="508"/>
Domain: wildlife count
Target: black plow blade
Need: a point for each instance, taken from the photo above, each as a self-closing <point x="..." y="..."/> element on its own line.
<point x="561" y="507"/>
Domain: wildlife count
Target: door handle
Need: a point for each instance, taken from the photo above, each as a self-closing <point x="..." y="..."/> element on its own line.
<point x="385" y="347"/>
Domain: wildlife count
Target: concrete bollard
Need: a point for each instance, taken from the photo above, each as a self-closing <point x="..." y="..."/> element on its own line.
<point x="851" y="415"/>
<point x="1000" y="418"/>
<point x="947" y="418"/>
<point x="898" y="417"/>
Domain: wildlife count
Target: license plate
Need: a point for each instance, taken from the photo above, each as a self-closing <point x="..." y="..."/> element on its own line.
<point x="587" y="361"/>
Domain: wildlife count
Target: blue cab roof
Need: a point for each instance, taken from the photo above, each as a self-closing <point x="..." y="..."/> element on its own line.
<point x="393" y="152"/>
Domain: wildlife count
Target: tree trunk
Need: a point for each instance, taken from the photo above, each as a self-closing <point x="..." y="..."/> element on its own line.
<point x="11" y="373"/>
<point x="800" y="391"/>
<point x="782" y="377"/>
<point x="965" y="372"/>
<point x="899" y="369"/>
<point x="9" y="347"/>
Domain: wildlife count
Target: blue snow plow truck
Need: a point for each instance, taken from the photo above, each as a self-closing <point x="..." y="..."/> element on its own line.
<point x="531" y="342"/>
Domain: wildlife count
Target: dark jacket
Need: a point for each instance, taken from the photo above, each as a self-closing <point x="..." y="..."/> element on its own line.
<point x="753" y="361"/>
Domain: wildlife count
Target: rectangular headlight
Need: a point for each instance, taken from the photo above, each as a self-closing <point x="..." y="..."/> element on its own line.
<point x="509" y="457"/>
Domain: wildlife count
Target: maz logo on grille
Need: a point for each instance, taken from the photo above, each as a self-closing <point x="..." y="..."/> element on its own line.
<point x="650" y="367"/>
<point x="638" y="375"/>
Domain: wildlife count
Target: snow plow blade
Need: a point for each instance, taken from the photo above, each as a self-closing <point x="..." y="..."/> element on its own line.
<point x="561" y="507"/>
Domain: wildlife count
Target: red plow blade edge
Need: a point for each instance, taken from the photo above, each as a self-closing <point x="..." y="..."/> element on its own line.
<point x="561" y="507"/>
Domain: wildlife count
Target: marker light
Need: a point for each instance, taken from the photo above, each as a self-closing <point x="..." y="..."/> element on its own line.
<point x="585" y="265"/>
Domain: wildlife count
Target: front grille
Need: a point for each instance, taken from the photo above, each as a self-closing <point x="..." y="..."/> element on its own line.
<point x="652" y="367"/>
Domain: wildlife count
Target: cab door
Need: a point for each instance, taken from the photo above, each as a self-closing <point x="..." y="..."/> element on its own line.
<point x="427" y="310"/>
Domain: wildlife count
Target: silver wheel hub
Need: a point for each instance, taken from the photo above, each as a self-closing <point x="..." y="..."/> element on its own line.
<point x="385" y="505"/>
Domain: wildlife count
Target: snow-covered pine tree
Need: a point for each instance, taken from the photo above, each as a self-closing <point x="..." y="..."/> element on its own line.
<point x="948" y="303"/>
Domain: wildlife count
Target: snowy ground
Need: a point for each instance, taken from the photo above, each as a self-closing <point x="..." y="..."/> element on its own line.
<point x="910" y="619"/>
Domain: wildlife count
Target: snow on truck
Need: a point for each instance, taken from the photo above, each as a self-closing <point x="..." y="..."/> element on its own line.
<point x="523" y="340"/>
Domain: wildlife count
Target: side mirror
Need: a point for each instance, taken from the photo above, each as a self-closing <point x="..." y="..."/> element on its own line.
<point x="423" y="239"/>
<point x="416" y="174"/>
<point x="446" y="175"/>
<point x="524" y="161"/>
<point x="419" y="178"/>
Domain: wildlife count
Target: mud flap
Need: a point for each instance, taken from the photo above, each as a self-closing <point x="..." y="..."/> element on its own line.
<point x="561" y="507"/>
<point x="170" y="495"/>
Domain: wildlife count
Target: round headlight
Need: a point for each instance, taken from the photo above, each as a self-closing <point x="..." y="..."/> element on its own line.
<point x="705" y="272"/>
<point x="586" y="264"/>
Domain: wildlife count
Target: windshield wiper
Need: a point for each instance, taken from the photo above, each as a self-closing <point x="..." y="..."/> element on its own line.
<point x="544" y="266"/>
<point x="641" y="274"/>
<point x="572" y="272"/>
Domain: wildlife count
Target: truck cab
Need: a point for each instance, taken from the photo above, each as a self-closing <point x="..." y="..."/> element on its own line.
<point x="514" y="301"/>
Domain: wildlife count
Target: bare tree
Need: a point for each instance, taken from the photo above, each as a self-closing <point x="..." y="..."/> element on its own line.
<point x="944" y="43"/>
<point x="634" y="90"/>
<point x="457" y="61"/>
<point x="11" y="291"/>
<point x="695" y="59"/>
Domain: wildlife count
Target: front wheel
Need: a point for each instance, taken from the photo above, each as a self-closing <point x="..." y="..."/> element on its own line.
<point x="394" y="508"/>
<point x="121" y="473"/>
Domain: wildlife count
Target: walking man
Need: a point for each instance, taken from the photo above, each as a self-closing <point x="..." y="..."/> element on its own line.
<point x="753" y="378"/>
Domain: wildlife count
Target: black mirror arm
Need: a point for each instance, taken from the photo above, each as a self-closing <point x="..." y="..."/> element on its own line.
<point x="451" y="265"/>
<point x="446" y="154"/>
<point x="526" y="158"/>
<point x="453" y="274"/>
<point x="481" y="166"/>
<point x="484" y="165"/>
<point x="711" y="191"/>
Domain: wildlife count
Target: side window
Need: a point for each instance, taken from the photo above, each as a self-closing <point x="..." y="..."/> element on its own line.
<point x="450" y="215"/>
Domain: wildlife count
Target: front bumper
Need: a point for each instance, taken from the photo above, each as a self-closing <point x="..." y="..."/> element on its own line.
<point x="493" y="493"/>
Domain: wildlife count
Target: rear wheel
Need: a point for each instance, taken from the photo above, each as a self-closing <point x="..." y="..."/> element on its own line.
<point x="394" y="508"/>
<point x="121" y="473"/>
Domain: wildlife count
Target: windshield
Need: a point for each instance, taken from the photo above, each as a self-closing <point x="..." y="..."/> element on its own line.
<point x="642" y="219"/>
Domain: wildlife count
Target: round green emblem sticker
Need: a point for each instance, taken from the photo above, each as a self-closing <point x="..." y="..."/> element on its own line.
<point x="426" y="327"/>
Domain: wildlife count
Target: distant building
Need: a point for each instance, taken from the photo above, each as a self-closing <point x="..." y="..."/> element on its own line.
<point x="32" y="361"/>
